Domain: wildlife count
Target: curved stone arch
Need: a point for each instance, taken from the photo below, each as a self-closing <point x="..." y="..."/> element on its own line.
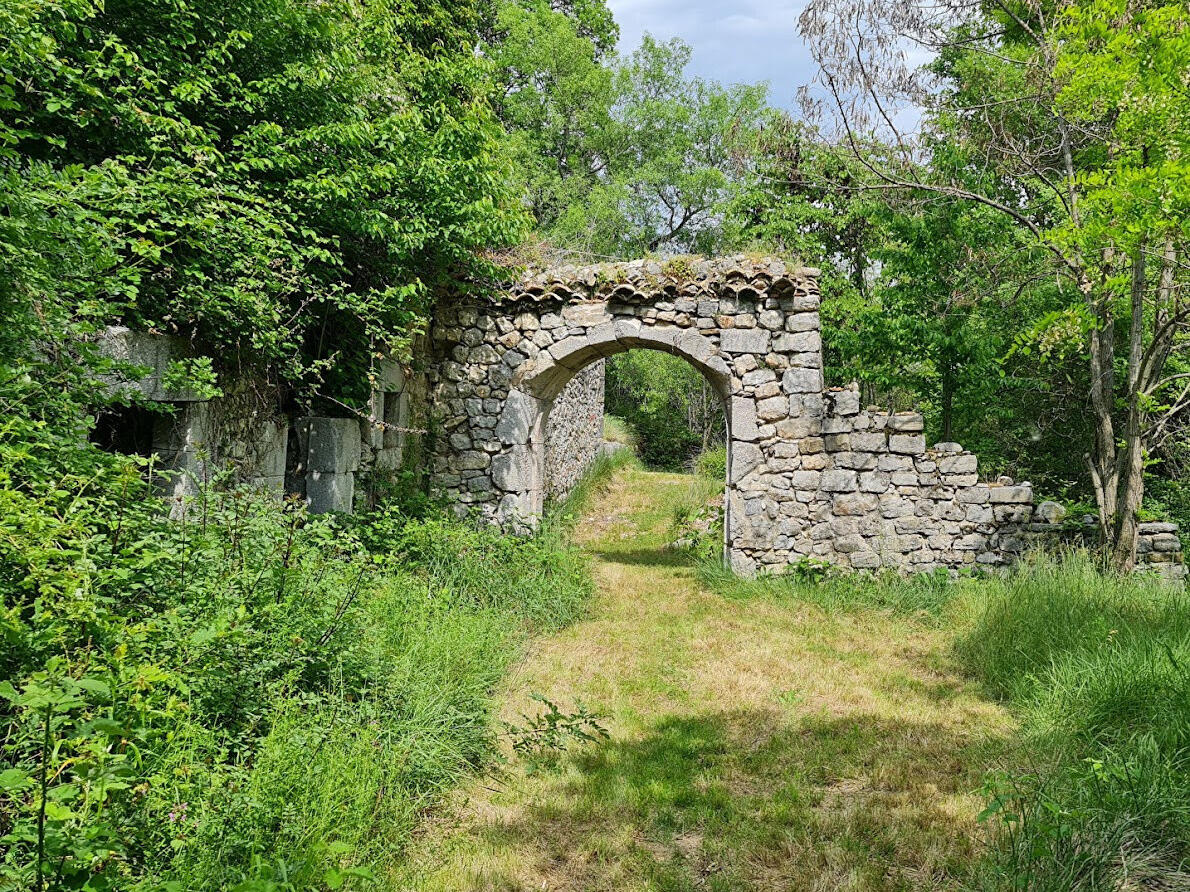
<point x="544" y="377"/>
<point x="812" y="474"/>
<point x="537" y="383"/>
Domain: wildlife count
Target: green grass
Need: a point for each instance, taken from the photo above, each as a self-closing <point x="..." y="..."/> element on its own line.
<point x="1096" y="793"/>
<point x="1099" y="670"/>
<point x="756" y="742"/>
<point x="617" y="430"/>
<point x="923" y="596"/>
<point x="565" y="513"/>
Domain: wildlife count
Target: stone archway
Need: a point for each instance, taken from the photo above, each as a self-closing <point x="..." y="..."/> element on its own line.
<point x="811" y="474"/>
<point x="751" y="328"/>
<point x="521" y="471"/>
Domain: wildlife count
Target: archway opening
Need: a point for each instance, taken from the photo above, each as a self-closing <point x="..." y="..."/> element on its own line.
<point x="668" y="412"/>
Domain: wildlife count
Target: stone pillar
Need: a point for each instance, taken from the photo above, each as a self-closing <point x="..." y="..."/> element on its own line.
<point x="332" y="452"/>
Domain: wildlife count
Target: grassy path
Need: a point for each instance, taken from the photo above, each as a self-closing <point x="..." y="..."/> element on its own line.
<point x="755" y="744"/>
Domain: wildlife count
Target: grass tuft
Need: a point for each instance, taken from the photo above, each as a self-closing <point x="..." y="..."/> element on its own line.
<point x="1099" y="669"/>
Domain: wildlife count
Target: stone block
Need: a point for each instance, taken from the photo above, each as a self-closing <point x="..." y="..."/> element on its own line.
<point x="856" y="461"/>
<point x="798" y="342"/>
<point x="389" y="377"/>
<point x="743" y="418"/>
<point x="572" y="351"/>
<point x="865" y="560"/>
<point x="772" y="409"/>
<point x="980" y="494"/>
<point x="745" y="457"/>
<point x="1008" y="495"/>
<point x="802" y="322"/>
<point x="906" y="423"/>
<point x="907" y="444"/>
<point x="801" y="380"/>
<point x="1150" y="527"/>
<point x="874" y="481"/>
<point x="1166" y="542"/>
<point x="846" y="402"/>
<point x="327" y="492"/>
<point x="268" y="450"/>
<point x="586" y="315"/>
<point x="1012" y="513"/>
<point x="517" y="419"/>
<point x="150" y="352"/>
<point x="855" y="504"/>
<point x="805" y="480"/>
<point x="868" y="442"/>
<point x="332" y="444"/>
<point x="837" y="480"/>
<point x="514" y="471"/>
<point x="750" y="340"/>
<point x="958" y="464"/>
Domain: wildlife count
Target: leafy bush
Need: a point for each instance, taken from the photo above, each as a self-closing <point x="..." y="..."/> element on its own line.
<point x="712" y="463"/>
<point x="1099" y="669"/>
<point x="183" y="698"/>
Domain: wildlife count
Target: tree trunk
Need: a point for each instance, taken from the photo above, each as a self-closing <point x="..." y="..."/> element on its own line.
<point x="1102" y="460"/>
<point x="947" y="401"/>
<point x="1130" y="465"/>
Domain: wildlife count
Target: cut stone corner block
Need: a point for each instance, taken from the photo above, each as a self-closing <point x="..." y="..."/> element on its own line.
<point x="327" y="492"/>
<point x="333" y="445"/>
<point x="154" y="352"/>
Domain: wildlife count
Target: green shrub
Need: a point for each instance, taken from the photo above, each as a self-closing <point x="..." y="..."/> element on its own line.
<point x="1099" y="669"/>
<point x="712" y="464"/>
<point x="245" y="694"/>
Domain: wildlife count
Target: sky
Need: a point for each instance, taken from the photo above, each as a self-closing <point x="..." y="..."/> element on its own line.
<point x="733" y="42"/>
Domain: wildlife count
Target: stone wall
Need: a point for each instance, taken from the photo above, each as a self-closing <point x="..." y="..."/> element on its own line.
<point x="243" y="438"/>
<point x="239" y="437"/>
<point x="811" y="473"/>
<point x="574" y="431"/>
<point x="1159" y="548"/>
<point x="869" y="494"/>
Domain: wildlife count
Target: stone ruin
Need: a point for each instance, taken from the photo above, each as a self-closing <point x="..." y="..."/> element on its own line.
<point x="812" y="474"/>
<point x="511" y="403"/>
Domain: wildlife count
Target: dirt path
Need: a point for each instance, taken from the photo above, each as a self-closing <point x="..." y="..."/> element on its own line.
<point x="754" y="744"/>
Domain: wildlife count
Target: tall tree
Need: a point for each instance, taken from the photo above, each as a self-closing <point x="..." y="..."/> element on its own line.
<point x="1096" y="177"/>
<point x="264" y="171"/>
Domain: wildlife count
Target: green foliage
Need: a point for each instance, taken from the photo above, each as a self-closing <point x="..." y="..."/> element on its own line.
<point x="672" y="410"/>
<point x="1099" y="668"/>
<point x="551" y="731"/>
<point x="250" y="175"/>
<point x="616" y="430"/>
<point x="617" y="156"/>
<point x="181" y="697"/>
<point x="712" y="464"/>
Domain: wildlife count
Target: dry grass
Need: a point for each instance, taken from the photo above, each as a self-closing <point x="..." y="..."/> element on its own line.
<point x="754" y="744"/>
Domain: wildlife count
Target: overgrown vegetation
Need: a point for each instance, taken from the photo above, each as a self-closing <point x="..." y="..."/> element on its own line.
<point x="1099" y="669"/>
<point x="1095" y="793"/>
<point x="671" y="409"/>
<point x="287" y="186"/>
<point x="183" y="698"/>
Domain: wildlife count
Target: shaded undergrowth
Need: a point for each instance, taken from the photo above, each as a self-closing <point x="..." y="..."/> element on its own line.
<point x="248" y="696"/>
